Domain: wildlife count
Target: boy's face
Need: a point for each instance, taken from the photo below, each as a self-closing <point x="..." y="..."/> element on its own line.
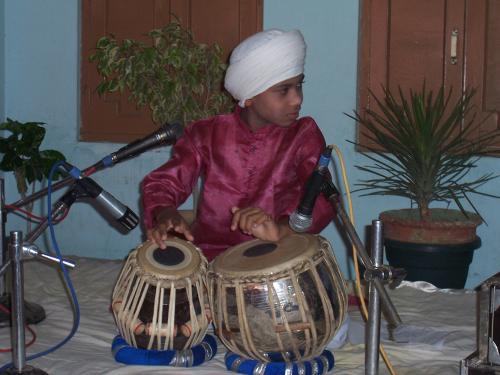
<point x="279" y="104"/>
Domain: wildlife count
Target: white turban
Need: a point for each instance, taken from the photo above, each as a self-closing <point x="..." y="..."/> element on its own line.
<point x="262" y="61"/>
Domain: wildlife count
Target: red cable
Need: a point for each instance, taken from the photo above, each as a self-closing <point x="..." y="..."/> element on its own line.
<point x="89" y="171"/>
<point x="36" y="217"/>
<point x="27" y="213"/>
<point x="86" y="173"/>
<point x="33" y="334"/>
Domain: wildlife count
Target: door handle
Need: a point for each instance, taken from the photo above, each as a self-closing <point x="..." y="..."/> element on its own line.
<point x="453" y="46"/>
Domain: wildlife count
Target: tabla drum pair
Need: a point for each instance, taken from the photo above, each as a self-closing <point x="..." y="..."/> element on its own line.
<point x="272" y="301"/>
<point x="160" y="300"/>
<point x="277" y="301"/>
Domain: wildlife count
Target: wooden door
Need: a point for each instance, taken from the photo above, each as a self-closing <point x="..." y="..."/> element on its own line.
<point x="404" y="42"/>
<point x="482" y="57"/>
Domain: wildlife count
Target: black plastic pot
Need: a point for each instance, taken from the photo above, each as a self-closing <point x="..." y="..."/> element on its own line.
<point x="445" y="266"/>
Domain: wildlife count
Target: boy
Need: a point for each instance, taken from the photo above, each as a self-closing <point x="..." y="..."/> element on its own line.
<point x="254" y="162"/>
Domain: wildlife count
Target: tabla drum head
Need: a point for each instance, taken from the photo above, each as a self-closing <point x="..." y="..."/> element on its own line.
<point x="179" y="260"/>
<point x="258" y="257"/>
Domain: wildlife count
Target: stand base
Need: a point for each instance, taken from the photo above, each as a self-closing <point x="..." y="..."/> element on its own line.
<point x="473" y="365"/>
<point x="28" y="370"/>
<point x="33" y="313"/>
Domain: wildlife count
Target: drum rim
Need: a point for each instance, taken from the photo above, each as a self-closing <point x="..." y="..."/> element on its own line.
<point x="197" y="262"/>
<point x="275" y="270"/>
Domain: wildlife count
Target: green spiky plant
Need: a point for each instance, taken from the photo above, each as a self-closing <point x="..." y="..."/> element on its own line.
<point x="423" y="148"/>
<point x="177" y="78"/>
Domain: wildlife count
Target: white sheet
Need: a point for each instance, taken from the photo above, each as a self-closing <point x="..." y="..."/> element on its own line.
<point x="439" y="328"/>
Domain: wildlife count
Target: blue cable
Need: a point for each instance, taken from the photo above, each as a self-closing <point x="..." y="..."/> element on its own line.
<point x="76" y="321"/>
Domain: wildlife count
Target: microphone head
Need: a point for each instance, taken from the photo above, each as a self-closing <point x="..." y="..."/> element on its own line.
<point x="299" y="222"/>
<point x="169" y="132"/>
<point x="129" y="220"/>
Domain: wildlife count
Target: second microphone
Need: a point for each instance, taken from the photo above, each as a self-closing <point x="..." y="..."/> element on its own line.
<point x="121" y="213"/>
<point x="301" y="219"/>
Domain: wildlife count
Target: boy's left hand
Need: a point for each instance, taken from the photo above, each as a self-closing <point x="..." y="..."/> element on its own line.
<point x="255" y="222"/>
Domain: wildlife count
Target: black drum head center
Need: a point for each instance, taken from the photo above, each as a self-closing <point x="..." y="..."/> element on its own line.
<point x="259" y="250"/>
<point x="171" y="256"/>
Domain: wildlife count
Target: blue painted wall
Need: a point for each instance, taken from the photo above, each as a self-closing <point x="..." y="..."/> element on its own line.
<point x="41" y="61"/>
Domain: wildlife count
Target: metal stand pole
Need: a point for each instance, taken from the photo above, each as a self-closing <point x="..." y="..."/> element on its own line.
<point x="372" y="273"/>
<point x="16" y="252"/>
<point x="375" y="273"/>
<point x="372" y="339"/>
<point x="34" y="313"/>
<point x="3" y="214"/>
<point x="17" y="310"/>
<point x="18" y="248"/>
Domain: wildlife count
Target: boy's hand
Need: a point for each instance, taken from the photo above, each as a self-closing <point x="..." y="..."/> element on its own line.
<point x="168" y="220"/>
<point x="255" y="222"/>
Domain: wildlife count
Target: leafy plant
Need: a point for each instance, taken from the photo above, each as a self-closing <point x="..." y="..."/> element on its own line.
<point x="177" y="78"/>
<point x="22" y="154"/>
<point x="429" y="147"/>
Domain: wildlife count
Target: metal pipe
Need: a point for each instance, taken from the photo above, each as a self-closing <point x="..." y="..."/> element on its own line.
<point x="372" y="340"/>
<point x="17" y="308"/>
<point x="18" y="338"/>
<point x="56" y="186"/>
<point x="32" y="250"/>
<point x="4" y="266"/>
<point x="391" y="314"/>
<point x="59" y="208"/>
<point x="3" y="250"/>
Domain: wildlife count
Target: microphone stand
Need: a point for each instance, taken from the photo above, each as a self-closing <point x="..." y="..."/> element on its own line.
<point x="18" y="248"/>
<point x="168" y="133"/>
<point x="37" y="311"/>
<point x="375" y="273"/>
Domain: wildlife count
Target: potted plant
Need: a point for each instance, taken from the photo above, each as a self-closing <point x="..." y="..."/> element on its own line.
<point x="20" y="147"/>
<point x="176" y="77"/>
<point x="21" y="152"/>
<point x="423" y="147"/>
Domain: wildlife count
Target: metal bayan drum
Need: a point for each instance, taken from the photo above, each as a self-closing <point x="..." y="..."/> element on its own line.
<point x="277" y="301"/>
<point x="160" y="299"/>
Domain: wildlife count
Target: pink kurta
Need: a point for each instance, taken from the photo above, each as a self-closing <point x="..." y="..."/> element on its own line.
<point x="267" y="168"/>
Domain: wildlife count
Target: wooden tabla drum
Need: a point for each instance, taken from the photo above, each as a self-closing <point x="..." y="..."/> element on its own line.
<point x="160" y="299"/>
<point x="277" y="301"/>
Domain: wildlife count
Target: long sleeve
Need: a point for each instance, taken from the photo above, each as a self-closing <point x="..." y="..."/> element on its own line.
<point x="172" y="183"/>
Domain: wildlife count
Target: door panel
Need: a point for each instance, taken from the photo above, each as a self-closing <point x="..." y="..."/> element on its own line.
<point x="404" y="42"/>
<point x="482" y="70"/>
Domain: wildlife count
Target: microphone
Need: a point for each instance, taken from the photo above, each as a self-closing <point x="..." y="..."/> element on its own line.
<point x="301" y="219"/>
<point x="168" y="133"/>
<point x="118" y="211"/>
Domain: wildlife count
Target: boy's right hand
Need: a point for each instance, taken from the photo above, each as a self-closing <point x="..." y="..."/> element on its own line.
<point x="168" y="220"/>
